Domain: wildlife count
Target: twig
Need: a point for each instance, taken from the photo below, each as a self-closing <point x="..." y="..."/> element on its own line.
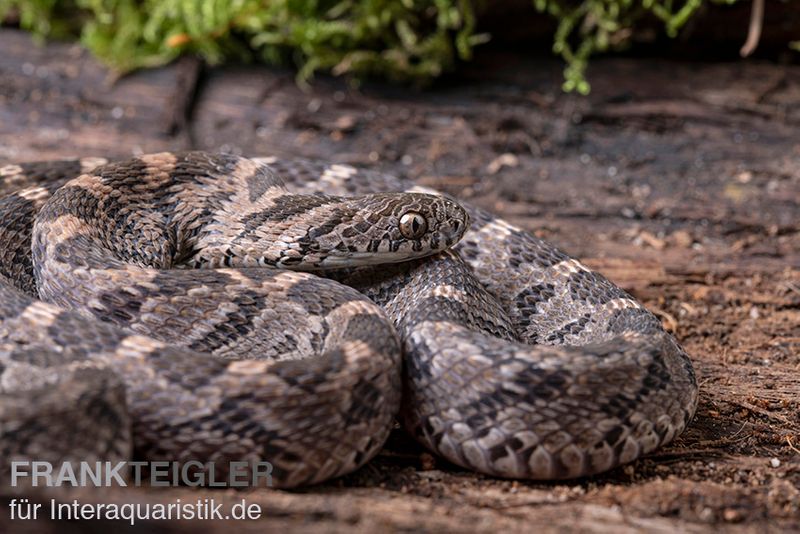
<point x="791" y="445"/>
<point x="754" y="31"/>
<point x="791" y="287"/>
<point x="769" y="415"/>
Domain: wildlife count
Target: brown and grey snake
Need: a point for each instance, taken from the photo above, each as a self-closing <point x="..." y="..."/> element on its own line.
<point x="142" y="313"/>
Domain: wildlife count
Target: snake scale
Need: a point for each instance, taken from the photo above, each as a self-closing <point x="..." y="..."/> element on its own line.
<point x="162" y="307"/>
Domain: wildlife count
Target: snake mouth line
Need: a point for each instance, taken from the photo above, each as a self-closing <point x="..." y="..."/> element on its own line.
<point x="363" y="258"/>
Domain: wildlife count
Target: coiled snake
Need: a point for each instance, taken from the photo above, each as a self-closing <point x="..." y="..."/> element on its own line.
<point x="513" y="359"/>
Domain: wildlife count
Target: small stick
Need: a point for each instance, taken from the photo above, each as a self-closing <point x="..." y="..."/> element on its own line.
<point x="754" y="31"/>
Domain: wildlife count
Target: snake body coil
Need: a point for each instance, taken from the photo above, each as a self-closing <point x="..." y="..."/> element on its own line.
<point x="140" y="304"/>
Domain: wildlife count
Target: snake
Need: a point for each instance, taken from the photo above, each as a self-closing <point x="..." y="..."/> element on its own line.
<point x="198" y="306"/>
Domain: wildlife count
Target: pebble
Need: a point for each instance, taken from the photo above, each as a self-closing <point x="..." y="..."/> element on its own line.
<point x="731" y="514"/>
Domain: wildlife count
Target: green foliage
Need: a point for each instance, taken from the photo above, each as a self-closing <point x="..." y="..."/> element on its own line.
<point x="591" y="26"/>
<point x="404" y="40"/>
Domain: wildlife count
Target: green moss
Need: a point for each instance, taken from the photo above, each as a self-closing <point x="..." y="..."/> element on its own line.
<point x="403" y="40"/>
<point x="592" y="26"/>
<point x="406" y="40"/>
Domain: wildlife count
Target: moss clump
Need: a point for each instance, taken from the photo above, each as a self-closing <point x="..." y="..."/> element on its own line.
<point x="404" y="40"/>
<point x="591" y="26"/>
<point x="407" y="40"/>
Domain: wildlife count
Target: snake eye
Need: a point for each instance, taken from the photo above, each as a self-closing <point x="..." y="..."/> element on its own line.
<point x="413" y="225"/>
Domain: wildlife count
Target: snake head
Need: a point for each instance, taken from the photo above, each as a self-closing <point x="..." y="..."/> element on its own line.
<point x="315" y="232"/>
<point x="390" y="228"/>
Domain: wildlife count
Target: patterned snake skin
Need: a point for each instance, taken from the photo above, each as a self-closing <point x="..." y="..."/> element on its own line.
<point x="513" y="359"/>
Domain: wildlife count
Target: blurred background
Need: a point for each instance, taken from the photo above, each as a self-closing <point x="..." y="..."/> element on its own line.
<point x="634" y="135"/>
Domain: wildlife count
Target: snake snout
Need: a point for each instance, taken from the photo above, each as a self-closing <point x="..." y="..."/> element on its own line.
<point x="455" y="222"/>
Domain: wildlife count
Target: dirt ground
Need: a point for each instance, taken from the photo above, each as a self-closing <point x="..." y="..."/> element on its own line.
<point x="681" y="182"/>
